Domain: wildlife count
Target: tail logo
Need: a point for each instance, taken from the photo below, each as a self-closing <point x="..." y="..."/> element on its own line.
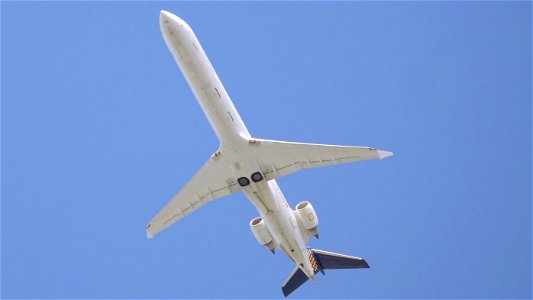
<point x="312" y="260"/>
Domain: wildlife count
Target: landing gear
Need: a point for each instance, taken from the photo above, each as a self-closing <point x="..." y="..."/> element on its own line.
<point x="257" y="176"/>
<point x="243" y="181"/>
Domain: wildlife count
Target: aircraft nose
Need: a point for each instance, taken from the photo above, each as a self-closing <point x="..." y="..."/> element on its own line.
<point x="165" y="21"/>
<point x="165" y="15"/>
<point x="169" y="22"/>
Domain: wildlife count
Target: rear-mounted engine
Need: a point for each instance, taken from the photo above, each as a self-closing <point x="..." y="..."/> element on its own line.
<point x="261" y="233"/>
<point x="307" y="216"/>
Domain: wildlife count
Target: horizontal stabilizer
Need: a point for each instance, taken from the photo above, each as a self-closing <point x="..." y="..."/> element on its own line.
<point x="295" y="280"/>
<point x="322" y="260"/>
<point x="330" y="260"/>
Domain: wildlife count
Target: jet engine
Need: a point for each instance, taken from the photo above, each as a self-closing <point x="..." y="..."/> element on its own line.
<point x="261" y="233"/>
<point x="307" y="216"/>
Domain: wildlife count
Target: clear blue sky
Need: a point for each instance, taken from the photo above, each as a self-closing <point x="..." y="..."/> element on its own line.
<point x="100" y="130"/>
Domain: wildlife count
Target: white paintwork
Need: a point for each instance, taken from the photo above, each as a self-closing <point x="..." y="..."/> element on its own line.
<point x="306" y="214"/>
<point x="261" y="233"/>
<point x="240" y="155"/>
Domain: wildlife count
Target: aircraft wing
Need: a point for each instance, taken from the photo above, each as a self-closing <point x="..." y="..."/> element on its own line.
<point x="279" y="158"/>
<point x="214" y="180"/>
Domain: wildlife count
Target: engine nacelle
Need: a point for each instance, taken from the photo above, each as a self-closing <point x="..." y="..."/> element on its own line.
<point x="307" y="216"/>
<point x="261" y="233"/>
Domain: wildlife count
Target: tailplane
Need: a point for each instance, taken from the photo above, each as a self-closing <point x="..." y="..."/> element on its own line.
<point x="321" y="260"/>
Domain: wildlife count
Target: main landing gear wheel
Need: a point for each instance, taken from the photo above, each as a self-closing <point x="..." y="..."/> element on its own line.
<point x="257" y="176"/>
<point x="243" y="181"/>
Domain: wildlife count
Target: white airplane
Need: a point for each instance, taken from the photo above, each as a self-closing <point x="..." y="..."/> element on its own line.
<point x="248" y="164"/>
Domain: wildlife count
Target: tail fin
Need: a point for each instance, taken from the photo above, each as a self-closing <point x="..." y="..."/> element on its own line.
<point x="321" y="260"/>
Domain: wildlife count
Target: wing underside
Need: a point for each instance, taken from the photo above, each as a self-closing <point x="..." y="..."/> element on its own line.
<point x="278" y="158"/>
<point x="214" y="180"/>
<point x="275" y="159"/>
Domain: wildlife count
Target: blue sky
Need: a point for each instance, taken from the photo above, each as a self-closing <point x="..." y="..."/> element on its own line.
<point x="100" y="130"/>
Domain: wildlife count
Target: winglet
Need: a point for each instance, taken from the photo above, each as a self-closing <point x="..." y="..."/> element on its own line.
<point x="148" y="234"/>
<point x="383" y="154"/>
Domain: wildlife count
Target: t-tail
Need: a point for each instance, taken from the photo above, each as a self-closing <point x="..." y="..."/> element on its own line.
<point x="321" y="260"/>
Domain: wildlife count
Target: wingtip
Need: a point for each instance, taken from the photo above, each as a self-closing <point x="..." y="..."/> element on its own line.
<point x="148" y="234"/>
<point x="383" y="154"/>
<point x="285" y="294"/>
<point x="366" y="263"/>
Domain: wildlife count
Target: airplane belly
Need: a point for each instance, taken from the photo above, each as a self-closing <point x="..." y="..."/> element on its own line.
<point x="204" y="82"/>
<point x="280" y="220"/>
<point x="251" y="165"/>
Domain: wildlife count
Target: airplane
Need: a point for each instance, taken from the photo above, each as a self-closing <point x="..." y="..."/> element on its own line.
<point x="252" y="165"/>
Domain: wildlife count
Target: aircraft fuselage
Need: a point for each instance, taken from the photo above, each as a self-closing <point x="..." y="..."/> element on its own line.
<point x="287" y="233"/>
